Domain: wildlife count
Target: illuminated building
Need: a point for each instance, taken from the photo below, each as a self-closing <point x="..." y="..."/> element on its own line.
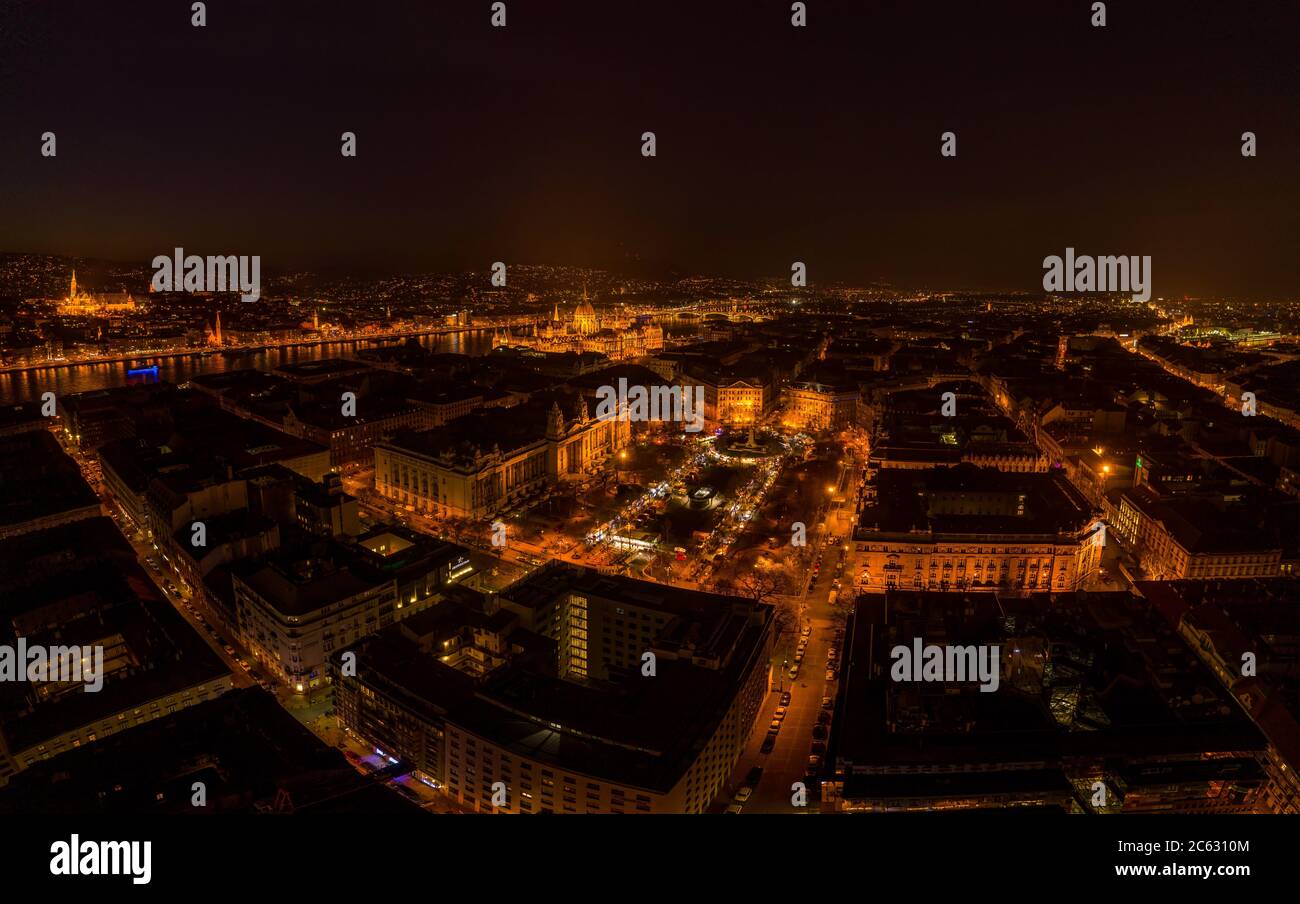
<point x="617" y="337"/>
<point x="733" y="401"/>
<point x="481" y="464"/>
<point x="297" y="607"/>
<point x="539" y="697"/>
<point x="1196" y="538"/>
<point x="968" y="528"/>
<point x="817" y="406"/>
<point x="81" y="303"/>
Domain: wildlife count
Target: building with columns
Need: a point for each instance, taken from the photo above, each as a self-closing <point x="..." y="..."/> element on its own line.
<point x="968" y="528"/>
<point x="484" y="463"/>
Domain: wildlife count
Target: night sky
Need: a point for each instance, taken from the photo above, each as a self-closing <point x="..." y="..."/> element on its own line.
<point x="775" y="144"/>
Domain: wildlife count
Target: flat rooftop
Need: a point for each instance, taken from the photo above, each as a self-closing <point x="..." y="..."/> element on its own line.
<point x="966" y="499"/>
<point x="38" y="479"/>
<point x="627" y="729"/>
<point x="99" y="595"/>
<point x="1082" y="675"/>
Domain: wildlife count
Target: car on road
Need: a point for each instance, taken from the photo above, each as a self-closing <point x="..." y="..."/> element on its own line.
<point x="819" y="732"/>
<point x="744" y="794"/>
<point x="780" y="713"/>
<point x="230" y="651"/>
<point x="734" y="809"/>
<point x="794" y="672"/>
<point x="785" y="698"/>
<point x="828" y="703"/>
<point x="818" y="747"/>
<point x="814" y="763"/>
<point x="830" y="674"/>
<point x="768" y="743"/>
<point x="824" y="717"/>
<point x="754" y="775"/>
<point x="775" y="726"/>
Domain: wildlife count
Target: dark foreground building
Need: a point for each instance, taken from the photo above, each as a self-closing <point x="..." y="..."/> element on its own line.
<point x="570" y="692"/>
<point x="1097" y="707"/>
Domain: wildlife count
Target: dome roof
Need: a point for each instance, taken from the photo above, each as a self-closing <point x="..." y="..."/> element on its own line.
<point x="585" y="310"/>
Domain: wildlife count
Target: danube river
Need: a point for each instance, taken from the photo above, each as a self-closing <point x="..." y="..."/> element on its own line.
<point x="21" y="386"/>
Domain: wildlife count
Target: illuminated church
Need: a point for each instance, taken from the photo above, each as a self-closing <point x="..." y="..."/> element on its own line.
<point x="81" y="303"/>
<point x="617" y="336"/>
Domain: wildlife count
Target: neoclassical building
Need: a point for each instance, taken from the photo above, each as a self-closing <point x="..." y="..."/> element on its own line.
<point x="483" y="463"/>
<point x="968" y="528"/>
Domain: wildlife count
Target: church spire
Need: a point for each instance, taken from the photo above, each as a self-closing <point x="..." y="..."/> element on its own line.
<point x="73" y="292"/>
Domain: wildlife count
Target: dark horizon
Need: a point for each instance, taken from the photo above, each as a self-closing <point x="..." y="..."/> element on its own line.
<point x="775" y="144"/>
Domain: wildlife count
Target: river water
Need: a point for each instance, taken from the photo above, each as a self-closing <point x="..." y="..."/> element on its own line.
<point x="30" y="384"/>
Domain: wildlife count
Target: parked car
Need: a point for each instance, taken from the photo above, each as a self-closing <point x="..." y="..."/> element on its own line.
<point x="733" y="809"/>
<point x="753" y="777"/>
<point x="744" y="794"/>
<point x="785" y="698"/>
<point x="819" y="732"/>
<point x="768" y="743"/>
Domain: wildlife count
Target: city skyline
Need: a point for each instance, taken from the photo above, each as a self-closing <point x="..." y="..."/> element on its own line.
<point x="572" y="407"/>
<point x="523" y="143"/>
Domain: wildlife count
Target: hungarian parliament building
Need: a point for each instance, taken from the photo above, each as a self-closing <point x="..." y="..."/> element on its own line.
<point x="617" y="336"/>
